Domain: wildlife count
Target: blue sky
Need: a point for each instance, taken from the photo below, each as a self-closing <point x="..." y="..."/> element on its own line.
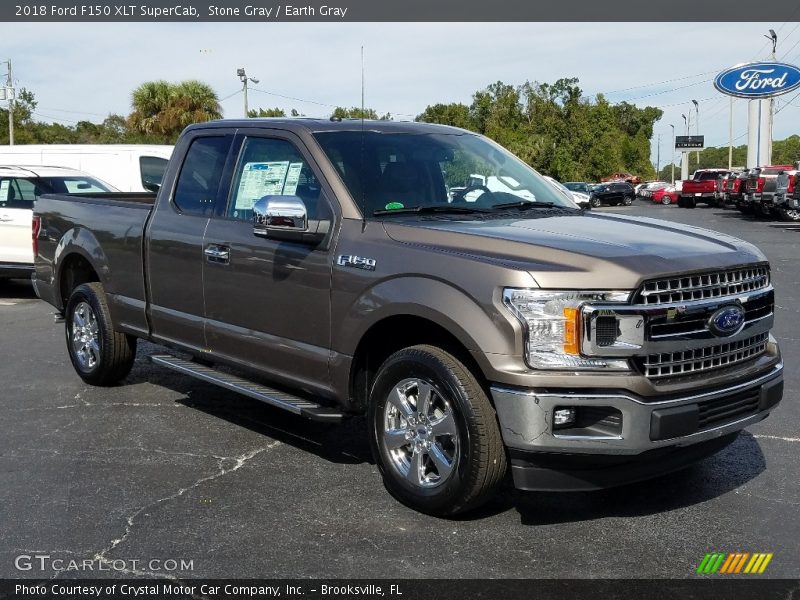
<point x="87" y="70"/>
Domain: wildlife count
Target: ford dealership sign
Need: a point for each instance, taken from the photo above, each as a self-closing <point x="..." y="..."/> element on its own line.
<point x="758" y="80"/>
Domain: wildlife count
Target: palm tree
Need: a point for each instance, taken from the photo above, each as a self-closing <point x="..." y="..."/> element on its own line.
<point x="162" y="110"/>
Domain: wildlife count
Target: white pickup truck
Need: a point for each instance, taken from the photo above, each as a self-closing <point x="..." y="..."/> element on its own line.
<point x="19" y="188"/>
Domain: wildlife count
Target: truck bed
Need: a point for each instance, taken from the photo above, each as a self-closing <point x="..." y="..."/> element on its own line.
<point x="109" y="227"/>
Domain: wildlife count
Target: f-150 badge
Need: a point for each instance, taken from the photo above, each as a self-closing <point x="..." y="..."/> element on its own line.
<point x="356" y="262"/>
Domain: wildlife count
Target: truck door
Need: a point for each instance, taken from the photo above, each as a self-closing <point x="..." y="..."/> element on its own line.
<point x="16" y="211"/>
<point x="175" y="240"/>
<point x="268" y="301"/>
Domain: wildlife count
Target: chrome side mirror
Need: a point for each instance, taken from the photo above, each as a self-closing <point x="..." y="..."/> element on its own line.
<point x="275" y="214"/>
<point x="285" y="218"/>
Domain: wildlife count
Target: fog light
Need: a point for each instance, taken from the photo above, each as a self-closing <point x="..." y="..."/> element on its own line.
<point x="564" y="417"/>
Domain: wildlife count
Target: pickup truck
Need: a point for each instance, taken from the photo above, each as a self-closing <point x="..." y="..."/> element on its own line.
<point x="323" y="268"/>
<point x="787" y="196"/>
<point x="702" y="187"/>
<point x="760" y="188"/>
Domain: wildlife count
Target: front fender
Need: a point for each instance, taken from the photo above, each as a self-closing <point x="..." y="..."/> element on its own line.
<point x="481" y="325"/>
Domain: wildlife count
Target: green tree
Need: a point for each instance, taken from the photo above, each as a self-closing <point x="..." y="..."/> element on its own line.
<point x="266" y="112"/>
<point x="357" y="113"/>
<point x="161" y="110"/>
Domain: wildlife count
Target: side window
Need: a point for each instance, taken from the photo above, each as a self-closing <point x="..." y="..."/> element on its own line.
<point x="152" y="169"/>
<point x="271" y="167"/>
<point x="198" y="181"/>
<point x="17" y="193"/>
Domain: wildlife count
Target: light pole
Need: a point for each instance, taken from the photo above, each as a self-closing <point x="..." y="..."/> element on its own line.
<point x="773" y="37"/>
<point x="658" y="156"/>
<point x="697" y="126"/>
<point x="672" y="155"/>
<point x="9" y="93"/>
<point x="244" y="79"/>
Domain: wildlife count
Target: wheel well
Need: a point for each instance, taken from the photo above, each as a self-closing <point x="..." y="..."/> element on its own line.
<point x="75" y="271"/>
<point x="388" y="336"/>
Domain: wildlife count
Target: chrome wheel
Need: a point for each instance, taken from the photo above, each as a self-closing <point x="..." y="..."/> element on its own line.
<point x="666" y="199"/>
<point x="420" y="433"/>
<point x="85" y="336"/>
<point x="790" y="214"/>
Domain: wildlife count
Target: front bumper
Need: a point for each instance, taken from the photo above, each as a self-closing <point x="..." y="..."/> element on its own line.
<point x="673" y="432"/>
<point x="641" y="425"/>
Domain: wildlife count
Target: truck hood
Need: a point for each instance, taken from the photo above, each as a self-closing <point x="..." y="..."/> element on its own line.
<point x="589" y="251"/>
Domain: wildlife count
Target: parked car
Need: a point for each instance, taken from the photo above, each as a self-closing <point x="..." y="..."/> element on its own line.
<point x="614" y="193"/>
<point x="702" y="187"/>
<point x="19" y="188"/>
<point x="760" y="188"/>
<point x="578" y="198"/>
<point x="580" y="350"/>
<point x="578" y="186"/>
<point x="645" y="190"/>
<point x="664" y="195"/>
<point x="127" y="167"/>
<point x="622" y="176"/>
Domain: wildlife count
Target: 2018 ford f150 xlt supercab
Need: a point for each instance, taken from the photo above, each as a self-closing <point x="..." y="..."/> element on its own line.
<point x="325" y="268"/>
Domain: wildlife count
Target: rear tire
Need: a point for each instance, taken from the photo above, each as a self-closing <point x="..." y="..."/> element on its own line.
<point x="100" y="355"/>
<point x="434" y="433"/>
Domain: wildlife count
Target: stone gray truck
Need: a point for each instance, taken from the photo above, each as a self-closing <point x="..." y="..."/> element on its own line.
<point x="340" y="268"/>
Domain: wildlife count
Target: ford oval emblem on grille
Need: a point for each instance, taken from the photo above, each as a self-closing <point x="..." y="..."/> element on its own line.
<point x="726" y="321"/>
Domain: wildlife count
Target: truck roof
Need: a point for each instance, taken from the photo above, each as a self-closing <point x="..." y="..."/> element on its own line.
<point x="324" y="125"/>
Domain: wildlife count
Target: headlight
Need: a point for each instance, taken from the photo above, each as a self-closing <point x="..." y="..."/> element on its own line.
<point x="552" y="320"/>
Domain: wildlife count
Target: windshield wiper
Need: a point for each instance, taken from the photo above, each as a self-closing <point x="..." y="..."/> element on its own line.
<point x="524" y="204"/>
<point x="437" y="208"/>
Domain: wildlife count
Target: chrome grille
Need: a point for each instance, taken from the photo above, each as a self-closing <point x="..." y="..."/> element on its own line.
<point x="703" y="286"/>
<point x="687" y="362"/>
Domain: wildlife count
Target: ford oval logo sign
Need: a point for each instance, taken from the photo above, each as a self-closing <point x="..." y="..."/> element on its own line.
<point x="726" y="321"/>
<point x="758" y="80"/>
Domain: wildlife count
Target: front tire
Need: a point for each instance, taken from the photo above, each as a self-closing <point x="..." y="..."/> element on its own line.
<point x="628" y="200"/>
<point x="666" y="200"/>
<point x="789" y="214"/>
<point x="100" y="355"/>
<point x="594" y="202"/>
<point x="434" y="433"/>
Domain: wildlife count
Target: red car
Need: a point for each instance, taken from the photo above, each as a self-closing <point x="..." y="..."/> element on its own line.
<point x="622" y="176"/>
<point x="665" y="195"/>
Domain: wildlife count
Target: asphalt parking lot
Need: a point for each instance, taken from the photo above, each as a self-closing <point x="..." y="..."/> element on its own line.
<point x="164" y="467"/>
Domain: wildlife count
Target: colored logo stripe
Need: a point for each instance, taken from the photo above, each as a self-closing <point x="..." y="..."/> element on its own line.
<point x="733" y="563"/>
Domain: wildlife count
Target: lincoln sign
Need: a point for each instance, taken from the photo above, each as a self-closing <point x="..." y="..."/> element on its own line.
<point x="758" y="80"/>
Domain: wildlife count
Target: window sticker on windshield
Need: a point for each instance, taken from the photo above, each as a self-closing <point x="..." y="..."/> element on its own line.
<point x="4" y="190"/>
<point x="394" y="206"/>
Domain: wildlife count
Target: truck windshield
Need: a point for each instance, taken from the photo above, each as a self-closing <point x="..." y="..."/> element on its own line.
<point x="395" y="171"/>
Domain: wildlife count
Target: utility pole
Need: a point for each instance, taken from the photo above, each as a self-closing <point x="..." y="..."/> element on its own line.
<point x="10" y="97"/>
<point x="672" y="155"/>
<point x="658" y="156"/>
<point x="697" y="126"/>
<point x="244" y="79"/>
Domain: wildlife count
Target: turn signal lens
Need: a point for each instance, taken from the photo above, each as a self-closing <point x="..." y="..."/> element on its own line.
<point x="572" y="330"/>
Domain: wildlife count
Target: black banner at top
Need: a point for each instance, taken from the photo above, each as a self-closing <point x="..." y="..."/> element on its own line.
<point x="386" y="11"/>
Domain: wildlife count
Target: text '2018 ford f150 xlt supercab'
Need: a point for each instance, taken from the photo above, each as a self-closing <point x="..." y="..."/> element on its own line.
<point x="327" y="268"/>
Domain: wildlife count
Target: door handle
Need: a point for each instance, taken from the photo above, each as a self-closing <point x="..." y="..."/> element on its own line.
<point x="217" y="254"/>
